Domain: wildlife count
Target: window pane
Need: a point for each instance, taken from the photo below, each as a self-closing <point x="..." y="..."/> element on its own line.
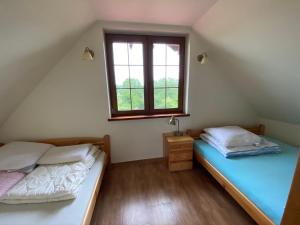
<point x="134" y="82"/>
<point x="159" y="54"/>
<point x="137" y="76"/>
<point x="120" y="53"/>
<point x="172" y="54"/>
<point x="172" y="76"/>
<point x="137" y="97"/>
<point x="172" y="98"/>
<point x="123" y="98"/>
<point x="160" y="98"/>
<point x="122" y="76"/>
<point x="135" y="53"/>
<point x="159" y="76"/>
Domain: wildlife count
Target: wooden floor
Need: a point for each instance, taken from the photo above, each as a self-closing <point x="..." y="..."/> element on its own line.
<point x="142" y="193"/>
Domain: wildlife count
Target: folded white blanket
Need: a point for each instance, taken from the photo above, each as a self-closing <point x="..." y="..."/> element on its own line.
<point x="233" y="136"/>
<point x="262" y="148"/>
<point x="51" y="183"/>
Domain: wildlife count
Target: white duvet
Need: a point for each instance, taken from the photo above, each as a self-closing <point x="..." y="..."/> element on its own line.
<point x="50" y="183"/>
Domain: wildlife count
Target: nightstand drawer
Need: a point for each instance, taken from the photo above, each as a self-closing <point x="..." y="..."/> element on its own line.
<point x="177" y="166"/>
<point x="178" y="152"/>
<point x="181" y="155"/>
<point x="181" y="146"/>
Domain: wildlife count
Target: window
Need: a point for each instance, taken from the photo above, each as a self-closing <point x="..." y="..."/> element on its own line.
<point x="146" y="74"/>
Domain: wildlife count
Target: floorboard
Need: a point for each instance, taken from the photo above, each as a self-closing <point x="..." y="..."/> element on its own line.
<point x="146" y="193"/>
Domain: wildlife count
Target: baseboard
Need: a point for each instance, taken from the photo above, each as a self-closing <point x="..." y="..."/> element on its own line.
<point x="152" y="160"/>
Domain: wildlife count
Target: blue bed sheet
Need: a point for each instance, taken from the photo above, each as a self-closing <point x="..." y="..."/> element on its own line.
<point x="264" y="179"/>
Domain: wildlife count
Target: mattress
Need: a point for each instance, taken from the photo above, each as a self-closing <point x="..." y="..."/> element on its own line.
<point x="69" y="212"/>
<point x="263" y="179"/>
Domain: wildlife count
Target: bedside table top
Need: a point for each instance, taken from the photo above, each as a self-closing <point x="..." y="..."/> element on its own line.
<point x="174" y="139"/>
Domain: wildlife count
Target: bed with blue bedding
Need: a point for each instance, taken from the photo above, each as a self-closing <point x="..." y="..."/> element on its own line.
<point x="264" y="179"/>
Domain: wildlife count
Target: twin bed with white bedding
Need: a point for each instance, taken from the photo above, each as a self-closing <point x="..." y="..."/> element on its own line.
<point x="58" y="194"/>
<point x="48" y="184"/>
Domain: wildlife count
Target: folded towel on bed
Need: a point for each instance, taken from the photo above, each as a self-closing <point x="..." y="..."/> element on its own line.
<point x="51" y="182"/>
<point x="8" y="180"/>
<point x="263" y="148"/>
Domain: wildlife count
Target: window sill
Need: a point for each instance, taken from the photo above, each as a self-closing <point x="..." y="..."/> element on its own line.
<point x="141" y="117"/>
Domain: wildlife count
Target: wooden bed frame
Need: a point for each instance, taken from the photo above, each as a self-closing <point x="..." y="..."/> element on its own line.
<point x="292" y="211"/>
<point x="104" y="143"/>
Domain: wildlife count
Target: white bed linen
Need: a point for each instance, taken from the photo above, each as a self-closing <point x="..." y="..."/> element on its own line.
<point x="69" y="212"/>
<point x="264" y="147"/>
<point x="233" y="136"/>
<point x="65" y="154"/>
<point x="18" y="155"/>
<point x="50" y="183"/>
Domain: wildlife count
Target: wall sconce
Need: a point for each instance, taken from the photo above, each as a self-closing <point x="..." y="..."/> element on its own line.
<point x="203" y="58"/>
<point x="88" y="54"/>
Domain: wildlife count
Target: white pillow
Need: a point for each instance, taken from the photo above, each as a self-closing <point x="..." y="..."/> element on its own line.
<point x="91" y="156"/>
<point x="27" y="169"/>
<point x="233" y="136"/>
<point x="18" y="155"/>
<point x="65" y="154"/>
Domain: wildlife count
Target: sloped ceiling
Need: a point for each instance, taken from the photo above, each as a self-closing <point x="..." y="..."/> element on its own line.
<point x="171" y="12"/>
<point x="34" y="35"/>
<point x="256" y="43"/>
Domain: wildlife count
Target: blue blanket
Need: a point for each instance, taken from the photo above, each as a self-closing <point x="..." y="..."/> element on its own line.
<point x="264" y="179"/>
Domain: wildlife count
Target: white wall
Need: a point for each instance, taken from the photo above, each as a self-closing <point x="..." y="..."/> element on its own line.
<point x="72" y="100"/>
<point x="286" y="132"/>
<point x="34" y="37"/>
<point x="256" y="43"/>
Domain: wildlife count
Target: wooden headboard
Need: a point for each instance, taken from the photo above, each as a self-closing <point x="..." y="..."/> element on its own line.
<point x="259" y="130"/>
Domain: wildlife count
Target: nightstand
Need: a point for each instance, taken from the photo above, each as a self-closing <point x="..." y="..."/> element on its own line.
<point x="178" y="152"/>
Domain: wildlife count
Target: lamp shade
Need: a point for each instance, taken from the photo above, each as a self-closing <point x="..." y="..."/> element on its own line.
<point x="172" y="120"/>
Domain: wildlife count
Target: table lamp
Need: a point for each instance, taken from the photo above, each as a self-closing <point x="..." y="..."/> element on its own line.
<point x="173" y="120"/>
